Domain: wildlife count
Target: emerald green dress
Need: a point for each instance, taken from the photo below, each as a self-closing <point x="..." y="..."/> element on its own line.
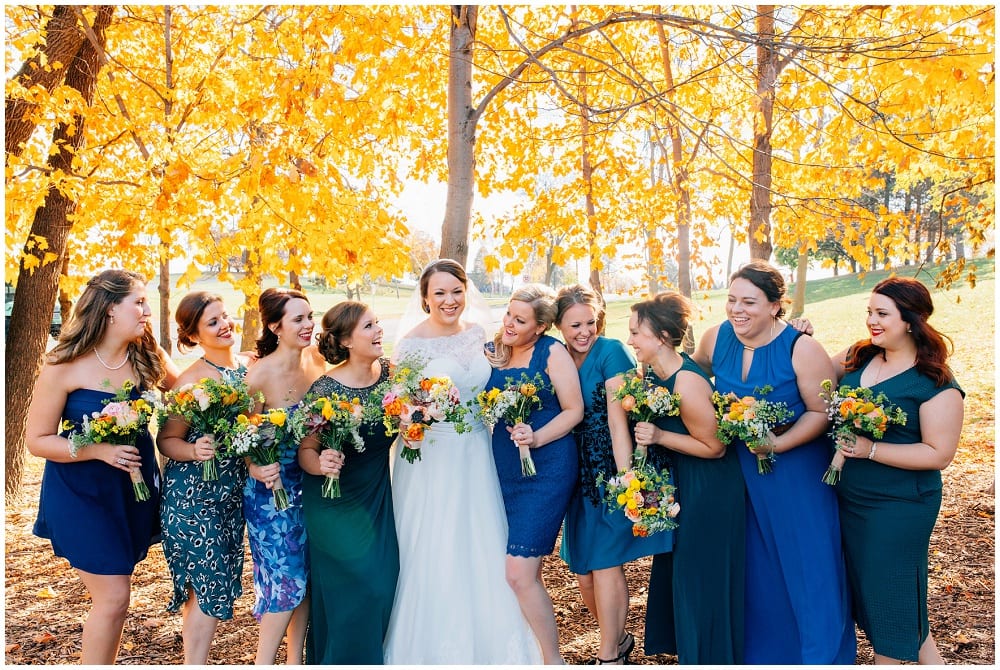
<point x="695" y="604"/>
<point x="886" y="517"/>
<point x="353" y="551"/>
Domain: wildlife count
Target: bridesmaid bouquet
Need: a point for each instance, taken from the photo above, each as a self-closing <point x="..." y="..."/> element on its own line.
<point x="513" y="404"/>
<point x="644" y="401"/>
<point x="334" y="420"/>
<point x="854" y="410"/>
<point x="412" y="402"/>
<point x="119" y="422"/>
<point x="210" y="407"/>
<point x="259" y="437"/>
<point x="750" y="419"/>
<point x="645" y="496"/>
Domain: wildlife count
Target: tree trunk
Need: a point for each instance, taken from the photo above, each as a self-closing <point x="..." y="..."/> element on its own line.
<point x="63" y="39"/>
<point x="461" y="135"/>
<point x="759" y="235"/>
<point x="36" y="291"/>
<point x="799" y="299"/>
<point x="251" y="315"/>
<point x="164" y="291"/>
<point x="682" y="215"/>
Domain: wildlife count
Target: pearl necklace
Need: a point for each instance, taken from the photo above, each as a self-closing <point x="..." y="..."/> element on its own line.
<point x="109" y="367"/>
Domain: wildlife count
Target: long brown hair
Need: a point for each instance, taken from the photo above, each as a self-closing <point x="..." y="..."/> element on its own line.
<point x="271" y="305"/>
<point x="89" y="323"/>
<point x="915" y="306"/>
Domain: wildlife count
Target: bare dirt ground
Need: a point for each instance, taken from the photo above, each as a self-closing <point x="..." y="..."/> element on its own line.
<point x="46" y="604"/>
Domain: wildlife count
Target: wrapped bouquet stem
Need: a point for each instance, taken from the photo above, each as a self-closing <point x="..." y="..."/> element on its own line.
<point x="119" y="422"/>
<point x="855" y="411"/>
<point x="209" y="407"/>
<point x="513" y="404"/>
<point x="334" y="421"/>
<point x="644" y="401"/>
<point x="752" y="420"/>
<point x="259" y="438"/>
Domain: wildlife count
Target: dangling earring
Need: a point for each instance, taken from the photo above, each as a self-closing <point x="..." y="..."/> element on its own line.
<point x="424" y="306"/>
<point x="112" y="318"/>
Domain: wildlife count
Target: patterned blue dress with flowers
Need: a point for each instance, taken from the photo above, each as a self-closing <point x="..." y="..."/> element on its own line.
<point x="278" y="538"/>
<point x="202" y="525"/>
<point x="88" y="510"/>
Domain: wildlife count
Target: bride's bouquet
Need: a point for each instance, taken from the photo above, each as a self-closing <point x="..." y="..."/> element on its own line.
<point x="119" y="422"/>
<point x="334" y="420"/>
<point x="645" y="496"/>
<point x="412" y="402"/>
<point x="644" y="401"/>
<point x="513" y="404"/>
<point x="854" y="410"/>
<point x="210" y="407"/>
<point x="750" y="419"/>
<point x="259" y="437"/>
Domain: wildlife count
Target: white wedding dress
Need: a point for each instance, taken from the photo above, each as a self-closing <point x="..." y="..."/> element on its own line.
<point x="453" y="604"/>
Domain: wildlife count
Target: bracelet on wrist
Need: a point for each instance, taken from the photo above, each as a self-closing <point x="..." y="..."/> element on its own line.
<point x="871" y="454"/>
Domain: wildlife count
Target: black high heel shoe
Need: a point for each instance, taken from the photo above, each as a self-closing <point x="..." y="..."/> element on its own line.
<point x="625" y="647"/>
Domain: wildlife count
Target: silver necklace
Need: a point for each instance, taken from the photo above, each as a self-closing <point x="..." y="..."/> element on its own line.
<point x="109" y="367"/>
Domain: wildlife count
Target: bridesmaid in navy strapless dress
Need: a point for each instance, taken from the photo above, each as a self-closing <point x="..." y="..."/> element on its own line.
<point x="87" y="506"/>
<point x="89" y="511"/>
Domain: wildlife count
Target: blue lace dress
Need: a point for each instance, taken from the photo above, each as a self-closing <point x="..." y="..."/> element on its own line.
<point x="277" y="539"/>
<point x="595" y="538"/>
<point x="797" y="604"/>
<point x="203" y="527"/>
<point x="88" y="510"/>
<point x="535" y="506"/>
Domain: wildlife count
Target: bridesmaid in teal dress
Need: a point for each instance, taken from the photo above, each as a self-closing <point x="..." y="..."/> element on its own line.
<point x="597" y="542"/>
<point x="694" y="607"/>
<point x="287" y="366"/>
<point x="353" y="550"/>
<point x="797" y="607"/>
<point x="890" y="489"/>
<point x="202" y="521"/>
<point x="87" y="507"/>
<point x="535" y="505"/>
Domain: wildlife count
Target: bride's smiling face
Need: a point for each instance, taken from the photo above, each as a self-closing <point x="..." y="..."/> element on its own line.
<point x="445" y="298"/>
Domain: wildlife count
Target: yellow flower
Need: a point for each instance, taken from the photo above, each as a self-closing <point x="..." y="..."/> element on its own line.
<point x="277" y="417"/>
<point x="327" y="409"/>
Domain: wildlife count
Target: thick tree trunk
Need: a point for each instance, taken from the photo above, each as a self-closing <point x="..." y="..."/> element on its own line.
<point x="36" y="291"/>
<point x="63" y="38"/>
<point x="461" y="136"/>
<point x="759" y="236"/>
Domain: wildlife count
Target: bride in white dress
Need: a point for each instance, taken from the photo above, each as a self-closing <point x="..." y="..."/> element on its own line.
<point x="453" y="604"/>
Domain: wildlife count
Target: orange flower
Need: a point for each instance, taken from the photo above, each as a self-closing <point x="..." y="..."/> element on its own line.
<point x="230" y="398"/>
<point x="394" y="408"/>
<point x="426" y="384"/>
<point x="628" y="403"/>
<point x="414" y="432"/>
